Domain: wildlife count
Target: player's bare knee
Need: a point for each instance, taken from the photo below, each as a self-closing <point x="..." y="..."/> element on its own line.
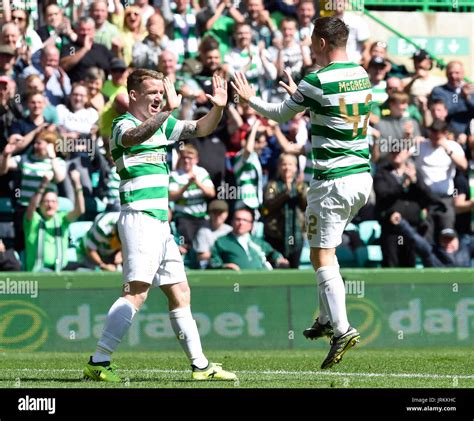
<point x="136" y="292"/>
<point x="322" y="257"/>
<point x="179" y="295"/>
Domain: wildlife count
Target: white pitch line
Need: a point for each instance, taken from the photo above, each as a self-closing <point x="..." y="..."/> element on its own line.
<point x="269" y="372"/>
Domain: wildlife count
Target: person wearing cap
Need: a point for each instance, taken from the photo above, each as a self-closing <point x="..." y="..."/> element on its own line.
<point x="116" y="91"/>
<point x="437" y="161"/>
<point x="206" y="236"/>
<point x="448" y="252"/>
<point x="118" y="72"/>
<point x="7" y="60"/>
<point x="379" y="49"/>
<point x="421" y="83"/>
<point x="377" y="71"/>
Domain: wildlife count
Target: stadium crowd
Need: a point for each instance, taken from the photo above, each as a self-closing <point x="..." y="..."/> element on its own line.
<point x="237" y="197"/>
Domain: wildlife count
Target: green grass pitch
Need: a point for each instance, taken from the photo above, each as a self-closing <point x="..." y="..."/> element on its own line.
<point x="360" y="368"/>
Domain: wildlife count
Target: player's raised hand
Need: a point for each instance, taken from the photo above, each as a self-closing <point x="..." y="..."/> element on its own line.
<point x="219" y="91"/>
<point x="173" y="100"/>
<point x="242" y="87"/>
<point x="292" y="86"/>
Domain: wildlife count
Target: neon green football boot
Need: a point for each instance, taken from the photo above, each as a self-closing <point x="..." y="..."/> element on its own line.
<point x="339" y="346"/>
<point x="213" y="371"/>
<point x="101" y="372"/>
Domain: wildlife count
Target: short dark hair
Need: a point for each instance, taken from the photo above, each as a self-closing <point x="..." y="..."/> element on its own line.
<point x="438" y="101"/>
<point x="287" y="19"/>
<point x="398" y="98"/>
<point x="333" y="30"/>
<point x="439" y="126"/>
<point x="135" y="79"/>
<point x="208" y="43"/>
<point x="247" y="209"/>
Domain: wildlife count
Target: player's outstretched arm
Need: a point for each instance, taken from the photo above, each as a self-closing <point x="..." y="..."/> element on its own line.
<point x="144" y="131"/>
<point x="279" y="112"/>
<point x="208" y="123"/>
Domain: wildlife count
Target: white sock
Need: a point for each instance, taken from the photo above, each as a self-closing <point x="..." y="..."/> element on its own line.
<point x="116" y="326"/>
<point x="186" y="331"/>
<point x="333" y="294"/>
<point x="323" y="316"/>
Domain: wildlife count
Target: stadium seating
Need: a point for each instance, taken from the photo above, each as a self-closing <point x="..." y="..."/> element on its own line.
<point x="77" y="230"/>
<point x="369" y="231"/>
<point x="6" y="209"/>
<point x="346" y="257"/>
<point x="258" y="230"/>
<point x="65" y="204"/>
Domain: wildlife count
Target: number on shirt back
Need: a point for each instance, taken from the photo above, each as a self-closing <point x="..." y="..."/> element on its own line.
<point x="355" y="118"/>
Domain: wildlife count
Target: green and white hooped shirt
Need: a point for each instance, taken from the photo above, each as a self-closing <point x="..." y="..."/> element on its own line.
<point x="143" y="170"/>
<point x="193" y="202"/>
<point x="339" y="97"/>
<point x="248" y="176"/>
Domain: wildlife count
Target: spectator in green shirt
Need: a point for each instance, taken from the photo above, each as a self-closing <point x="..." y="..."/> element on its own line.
<point x="46" y="230"/>
<point x="241" y="250"/>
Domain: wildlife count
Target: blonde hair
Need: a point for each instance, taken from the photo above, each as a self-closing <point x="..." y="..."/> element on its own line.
<point x="282" y="157"/>
<point x="48" y="136"/>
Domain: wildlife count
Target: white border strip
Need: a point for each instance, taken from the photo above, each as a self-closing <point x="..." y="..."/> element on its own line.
<point x="269" y="372"/>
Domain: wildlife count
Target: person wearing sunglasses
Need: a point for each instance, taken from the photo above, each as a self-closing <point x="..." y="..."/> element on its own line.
<point x="131" y="28"/>
<point x="29" y="36"/>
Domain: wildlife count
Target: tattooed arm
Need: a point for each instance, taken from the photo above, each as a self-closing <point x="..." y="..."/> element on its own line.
<point x="202" y="127"/>
<point x="144" y="131"/>
<point x="148" y="128"/>
<point x="208" y="123"/>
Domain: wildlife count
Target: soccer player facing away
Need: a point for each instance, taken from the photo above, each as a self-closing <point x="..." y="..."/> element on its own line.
<point x="139" y="144"/>
<point x="339" y="98"/>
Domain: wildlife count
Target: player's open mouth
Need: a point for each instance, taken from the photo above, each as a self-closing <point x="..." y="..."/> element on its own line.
<point x="155" y="107"/>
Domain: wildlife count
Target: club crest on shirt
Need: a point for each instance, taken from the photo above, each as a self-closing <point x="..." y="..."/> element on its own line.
<point x="297" y="97"/>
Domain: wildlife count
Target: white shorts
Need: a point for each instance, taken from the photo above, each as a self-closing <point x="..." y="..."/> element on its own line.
<point x="149" y="251"/>
<point x="332" y="204"/>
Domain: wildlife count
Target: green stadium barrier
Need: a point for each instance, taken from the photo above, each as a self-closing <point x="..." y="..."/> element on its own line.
<point x="248" y="310"/>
